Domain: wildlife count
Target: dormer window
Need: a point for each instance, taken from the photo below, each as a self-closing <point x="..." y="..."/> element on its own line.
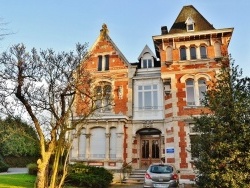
<point x="147" y="58"/>
<point x="190" y="24"/>
<point x="147" y="63"/>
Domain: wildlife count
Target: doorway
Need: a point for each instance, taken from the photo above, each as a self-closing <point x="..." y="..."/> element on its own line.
<point x="150" y="147"/>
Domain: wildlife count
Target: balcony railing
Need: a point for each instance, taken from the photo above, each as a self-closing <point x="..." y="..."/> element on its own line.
<point x="94" y="156"/>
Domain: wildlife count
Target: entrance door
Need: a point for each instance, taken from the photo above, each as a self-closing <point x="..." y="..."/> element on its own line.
<point x="150" y="150"/>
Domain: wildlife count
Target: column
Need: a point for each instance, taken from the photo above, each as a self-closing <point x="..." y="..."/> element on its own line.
<point x="107" y="145"/>
<point x="87" y="149"/>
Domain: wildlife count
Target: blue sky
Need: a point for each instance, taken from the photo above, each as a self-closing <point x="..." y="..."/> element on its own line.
<point x="60" y="24"/>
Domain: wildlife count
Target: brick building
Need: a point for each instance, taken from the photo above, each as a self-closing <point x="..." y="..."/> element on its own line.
<point x="153" y="98"/>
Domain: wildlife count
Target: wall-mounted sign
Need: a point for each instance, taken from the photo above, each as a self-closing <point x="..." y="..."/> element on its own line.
<point x="170" y="150"/>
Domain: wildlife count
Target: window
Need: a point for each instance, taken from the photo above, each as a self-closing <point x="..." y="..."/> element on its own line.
<point x="195" y="91"/>
<point x="193" y="136"/>
<point x="190" y="24"/>
<point x="193" y="52"/>
<point x="190" y="92"/>
<point x="97" y="143"/>
<point x="147" y="63"/>
<point x="203" y="52"/>
<point x="202" y="88"/>
<point x="183" y="53"/>
<point x="103" y="63"/>
<point x="148" y="97"/>
<point x="99" y="63"/>
<point x="106" y="62"/>
<point x="103" y="97"/>
<point x="190" y="27"/>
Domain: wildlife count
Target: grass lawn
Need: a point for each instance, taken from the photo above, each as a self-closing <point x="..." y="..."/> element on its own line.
<point x="17" y="181"/>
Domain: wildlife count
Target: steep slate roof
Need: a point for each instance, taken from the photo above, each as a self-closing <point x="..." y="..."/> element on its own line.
<point x="179" y="25"/>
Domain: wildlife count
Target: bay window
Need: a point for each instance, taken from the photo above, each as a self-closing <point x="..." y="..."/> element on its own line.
<point x="148" y="97"/>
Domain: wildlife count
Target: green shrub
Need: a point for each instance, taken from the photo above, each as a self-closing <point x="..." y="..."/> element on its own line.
<point x="20" y="161"/>
<point x="3" y="166"/>
<point x="89" y="176"/>
<point x="32" y="168"/>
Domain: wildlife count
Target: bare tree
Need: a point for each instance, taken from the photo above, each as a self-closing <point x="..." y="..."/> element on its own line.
<point x="3" y="31"/>
<point x="47" y="84"/>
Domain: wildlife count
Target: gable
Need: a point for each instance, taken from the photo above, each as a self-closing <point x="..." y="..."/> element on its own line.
<point x="146" y="51"/>
<point x="104" y="47"/>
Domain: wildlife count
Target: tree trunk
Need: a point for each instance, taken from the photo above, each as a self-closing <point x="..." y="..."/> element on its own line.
<point x="54" y="174"/>
<point x="41" y="179"/>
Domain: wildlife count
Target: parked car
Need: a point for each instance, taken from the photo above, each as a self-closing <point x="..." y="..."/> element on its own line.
<point x="161" y="175"/>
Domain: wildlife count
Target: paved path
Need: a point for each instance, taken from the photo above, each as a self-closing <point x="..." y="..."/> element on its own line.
<point x="16" y="171"/>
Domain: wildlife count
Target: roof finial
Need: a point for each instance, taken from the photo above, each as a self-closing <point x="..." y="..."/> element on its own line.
<point x="104" y="31"/>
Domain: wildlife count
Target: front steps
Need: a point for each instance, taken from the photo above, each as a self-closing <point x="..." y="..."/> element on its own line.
<point x="135" y="177"/>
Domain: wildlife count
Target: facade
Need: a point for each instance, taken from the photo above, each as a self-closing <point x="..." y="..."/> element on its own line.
<point x="153" y="99"/>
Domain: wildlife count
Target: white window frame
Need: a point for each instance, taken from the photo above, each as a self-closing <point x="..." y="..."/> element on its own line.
<point x="149" y="113"/>
<point x="143" y="91"/>
<point x="147" y="58"/>
<point x="191" y="133"/>
<point x="189" y="22"/>
<point x="190" y="88"/>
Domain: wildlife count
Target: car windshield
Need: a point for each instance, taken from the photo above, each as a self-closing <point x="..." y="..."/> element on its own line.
<point x="161" y="169"/>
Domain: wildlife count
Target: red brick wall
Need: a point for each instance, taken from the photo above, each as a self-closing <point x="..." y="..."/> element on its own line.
<point x="182" y="145"/>
<point x="117" y="75"/>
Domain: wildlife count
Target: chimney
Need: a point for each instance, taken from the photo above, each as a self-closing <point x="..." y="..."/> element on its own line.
<point x="164" y="30"/>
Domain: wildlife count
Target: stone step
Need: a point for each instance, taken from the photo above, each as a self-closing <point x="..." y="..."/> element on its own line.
<point x="133" y="181"/>
<point x="135" y="177"/>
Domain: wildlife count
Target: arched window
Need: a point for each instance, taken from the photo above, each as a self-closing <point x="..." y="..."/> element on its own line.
<point x="203" y="52"/>
<point x="193" y="52"/>
<point x="190" y="92"/>
<point x="147" y="61"/>
<point x="183" y="53"/>
<point x="195" y="90"/>
<point x="97" y="143"/>
<point x="217" y="50"/>
<point x="202" y="88"/>
<point x="189" y="24"/>
<point x="103" y="97"/>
